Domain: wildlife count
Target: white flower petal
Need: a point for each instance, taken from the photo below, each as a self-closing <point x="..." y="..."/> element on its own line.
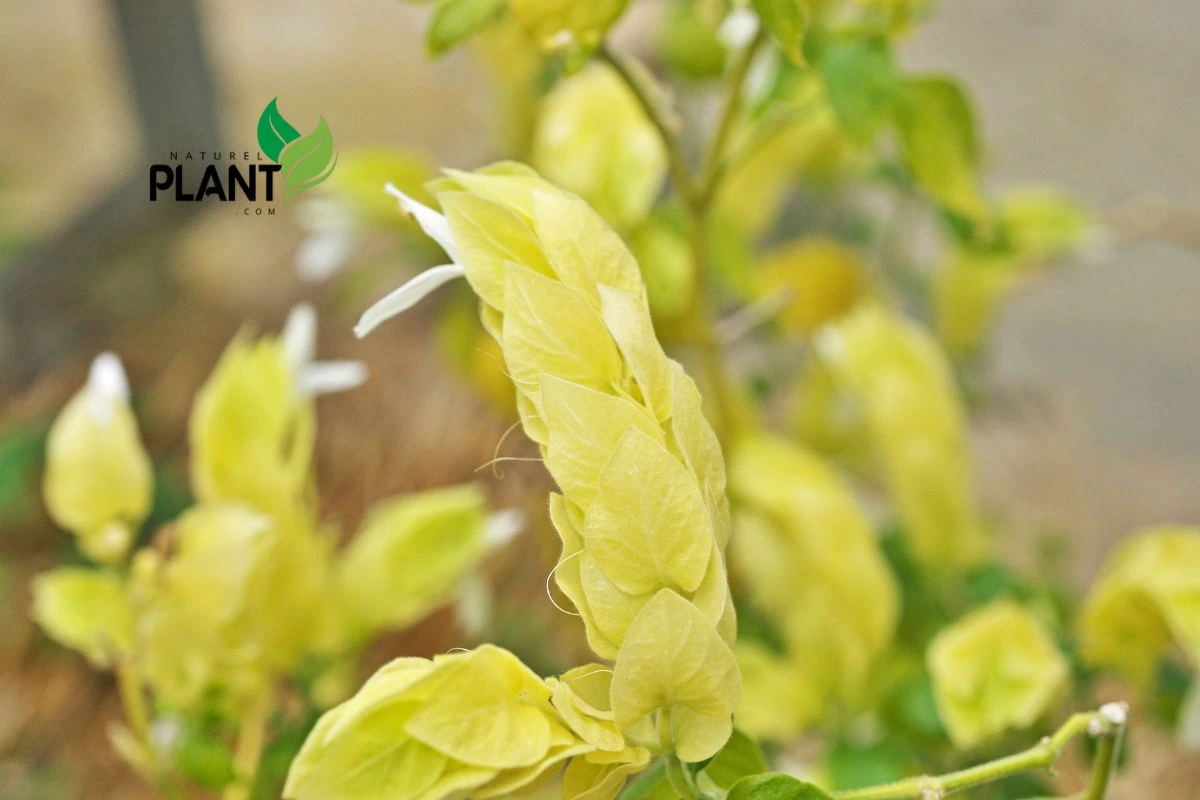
<point x="433" y="223"/>
<point x="738" y="28"/>
<point x="502" y="526"/>
<point x="474" y="605"/>
<point x="106" y="385"/>
<point x="321" y="255"/>
<point x="300" y="336"/>
<point x="326" y="377"/>
<point x="406" y="297"/>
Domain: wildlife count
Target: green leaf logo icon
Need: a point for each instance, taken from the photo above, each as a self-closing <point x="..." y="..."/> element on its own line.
<point x="274" y="132"/>
<point x="306" y="160"/>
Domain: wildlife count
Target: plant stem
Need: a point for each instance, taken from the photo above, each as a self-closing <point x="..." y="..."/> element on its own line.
<point x="129" y="685"/>
<point x="710" y="174"/>
<point x="680" y="173"/>
<point x="252" y="733"/>
<point x="1107" y="724"/>
<point x="678" y="776"/>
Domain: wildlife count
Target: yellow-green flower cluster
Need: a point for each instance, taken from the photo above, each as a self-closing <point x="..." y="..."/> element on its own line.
<point x="1145" y="604"/>
<point x="903" y="385"/>
<point x="642" y="515"/>
<point x="245" y="583"/>
<point x="808" y="556"/>
<point x="995" y="669"/>
<point x="474" y="724"/>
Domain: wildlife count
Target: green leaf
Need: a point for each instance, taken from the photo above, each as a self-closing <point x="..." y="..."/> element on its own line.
<point x="274" y="132"/>
<point x="206" y="760"/>
<point x="307" y="161"/>
<point x="852" y="766"/>
<point x="455" y="21"/>
<point x="940" y="143"/>
<point x="775" y="786"/>
<point x="739" y="758"/>
<point x="863" y="86"/>
<point x="785" y="20"/>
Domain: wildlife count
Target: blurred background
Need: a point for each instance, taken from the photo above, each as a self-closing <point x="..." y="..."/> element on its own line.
<point x="1096" y="370"/>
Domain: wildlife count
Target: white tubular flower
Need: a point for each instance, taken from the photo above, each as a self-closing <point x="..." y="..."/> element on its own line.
<point x="314" y="377"/>
<point x="415" y="290"/>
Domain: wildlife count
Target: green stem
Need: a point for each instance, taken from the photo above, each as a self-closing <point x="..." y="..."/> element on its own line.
<point x="252" y="734"/>
<point x="677" y="773"/>
<point x="732" y="103"/>
<point x="680" y="173"/>
<point x="133" y="701"/>
<point x="1104" y="764"/>
<point x="1108" y="724"/>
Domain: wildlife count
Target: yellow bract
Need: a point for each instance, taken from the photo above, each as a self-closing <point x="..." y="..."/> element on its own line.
<point x="673" y="662"/>
<point x="995" y="669"/>
<point x="410" y="554"/>
<point x="594" y="139"/>
<point x="98" y="476"/>
<point x="251" y="435"/>
<point x="821" y="278"/>
<point x="902" y="382"/>
<point x="1146" y="600"/>
<point x="809" y="557"/>
<point x="476" y="724"/>
<point x="86" y="610"/>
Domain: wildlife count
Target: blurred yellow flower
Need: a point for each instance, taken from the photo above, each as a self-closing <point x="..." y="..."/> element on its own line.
<point x="1146" y="601"/>
<point x="98" y="482"/>
<point x="996" y="669"/>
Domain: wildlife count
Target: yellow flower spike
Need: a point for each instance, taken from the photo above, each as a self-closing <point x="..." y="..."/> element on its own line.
<point x="839" y="620"/>
<point x="86" y="610"/>
<point x="476" y="724"/>
<point x="409" y="556"/>
<point x="98" y="482"/>
<point x="643" y="516"/>
<point x="251" y="440"/>
<point x="593" y="138"/>
<point x="252" y="425"/>
<point x="821" y="279"/>
<point x="994" y="670"/>
<point x="1144" y="602"/>
<point x="917" y="424"/>
<point x="232" y="605"/>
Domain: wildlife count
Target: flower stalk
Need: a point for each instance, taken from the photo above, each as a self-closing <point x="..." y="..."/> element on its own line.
<point x="1106" y="724"/>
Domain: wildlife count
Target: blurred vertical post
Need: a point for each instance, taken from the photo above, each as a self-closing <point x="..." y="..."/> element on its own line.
<point x="105" y="264"/>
